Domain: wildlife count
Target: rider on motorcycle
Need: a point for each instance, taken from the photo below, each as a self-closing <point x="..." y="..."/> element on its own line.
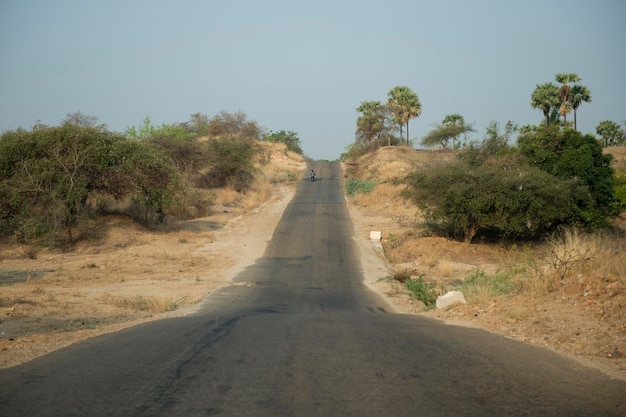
<point x="312" y="175"/>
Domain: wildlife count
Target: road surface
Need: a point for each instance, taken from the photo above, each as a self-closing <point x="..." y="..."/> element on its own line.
<point x="298" y="334"/>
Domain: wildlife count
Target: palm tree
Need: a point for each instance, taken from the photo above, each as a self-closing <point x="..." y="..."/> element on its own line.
<point x="404" y="105"/>
<point x="545" y="97"/>
<point x="565" y="92"/>
<point x="578" y="94"/>
<point x="456" y="121"/>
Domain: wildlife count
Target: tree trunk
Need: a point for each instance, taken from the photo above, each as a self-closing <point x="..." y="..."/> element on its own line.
<point x="407" y="133"/>
<point x="575" y="128"/>
<point x="470" y="231"/>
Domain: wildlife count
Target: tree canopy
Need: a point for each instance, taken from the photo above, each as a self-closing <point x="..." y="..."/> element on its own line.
<point x="405" y="105"/>
<point x="546" y="98"/>
<point x="610" y="132"/>
<point x="567" y="154"/>
<point x="452" y="126"/>
<point x="373" y="123"/>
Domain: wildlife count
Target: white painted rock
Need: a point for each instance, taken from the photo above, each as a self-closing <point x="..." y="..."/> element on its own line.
<point x="450" y="298"/>
<point x="375" y="235"/>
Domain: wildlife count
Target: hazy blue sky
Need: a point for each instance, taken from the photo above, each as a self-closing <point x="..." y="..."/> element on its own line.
<point x="304" y="65"/>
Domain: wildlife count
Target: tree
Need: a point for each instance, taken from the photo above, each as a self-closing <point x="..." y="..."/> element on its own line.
<point x="154" y="181"/>
<point x="545" y="97"/>
<point x="404" y="104"/>
<point x="457" y="121"/>
<point x="441" y="135"/>
<point x="610" y="132"/>
<point x="233" y="125"/>
<point x="231" y="163"/>
<point x="496" y="199"/>
<point x="565" y="92"/>
<point x="494" y="144"/>
<point x="290" y="139"/>
<point x="82" y="120"/>
<point x="579" y="94"/>
<point x="198" y="124"/>
<point x="49" y="176"/>
<point x="142" y="132"/>
<point x="373" y="123"/>
<point x="567" y="154"/>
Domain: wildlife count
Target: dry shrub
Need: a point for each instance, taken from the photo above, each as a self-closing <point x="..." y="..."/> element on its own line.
<point x="572" y="253"/>
<point x="571" y="250"/>
<point x="198" y="203"/>
<point x="150" y="304"/>
<point x="385" y="196"/>
<point x="445" y="268"/>
<point x="609" y="258"/>
<point x="226" y="196"/>
<point x="279" y="175"/>
<point x="29" y="252"/>
<point x="540" y="281"/>
<point x="295" y="156"/>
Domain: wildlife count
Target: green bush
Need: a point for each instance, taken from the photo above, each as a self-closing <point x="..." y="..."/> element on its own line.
<point x="355" y="185"/>
<point x="499" y="200"/>
<point x="422" y="290"/>
<point x="569" y="155"/>
<point x="620" y="190"/>
<point x="231" y="163"/>
<point x="51" y="175"/>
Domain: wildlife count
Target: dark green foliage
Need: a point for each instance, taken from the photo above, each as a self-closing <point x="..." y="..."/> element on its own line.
<point x="49" y="175"/>
<point x="567" y="154"/>
<point x="620" y="190"/>
<point x="231" y="163"/>
<point x="187" y="153"/>
<point x="611" y="133"/>
<point x="155" y="182"/>
<point x="501" y="200"/>
<point x="555" y="177"/>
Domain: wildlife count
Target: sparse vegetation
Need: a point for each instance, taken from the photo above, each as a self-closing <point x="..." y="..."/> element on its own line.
<point x="479" y="286"/>
<point x="422" y="290"/>
<point x="355" y="185"/>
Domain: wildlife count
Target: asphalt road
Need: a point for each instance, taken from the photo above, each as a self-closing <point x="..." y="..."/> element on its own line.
<point x="301" y="336"/>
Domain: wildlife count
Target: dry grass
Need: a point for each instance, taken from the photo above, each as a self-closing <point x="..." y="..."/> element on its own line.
<point x="149" y="304"/>
<point x="29" y="252"/>
<point x="226" y="197"/>
<point x="445" y="269"/>
<point x="571" y="250"/>
<point x="572" y="255"/>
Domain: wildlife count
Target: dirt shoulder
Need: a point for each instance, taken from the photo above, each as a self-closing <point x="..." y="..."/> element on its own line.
<point x="134" y="275"/>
